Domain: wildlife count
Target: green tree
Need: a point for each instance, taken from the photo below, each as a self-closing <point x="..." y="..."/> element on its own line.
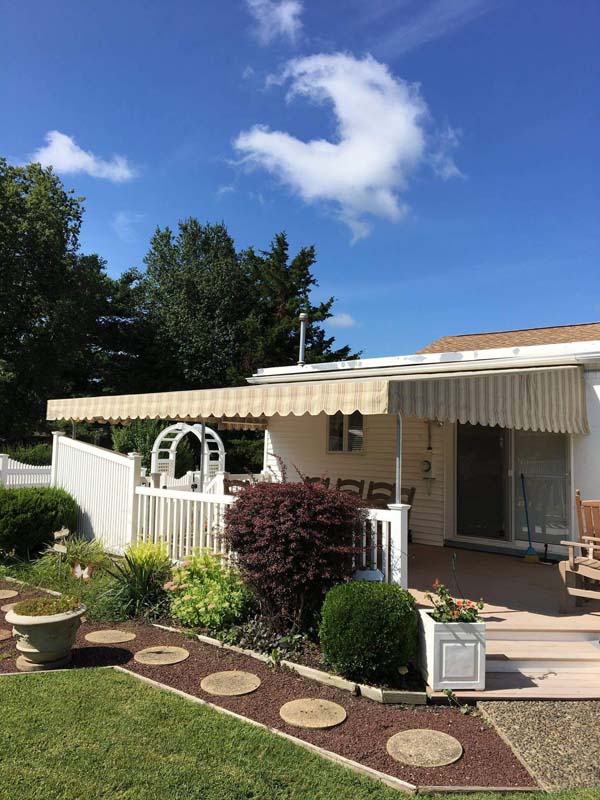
<point x="51" y="297"/>
<point x="196" y="296"/>
<point x="281" y="289"/>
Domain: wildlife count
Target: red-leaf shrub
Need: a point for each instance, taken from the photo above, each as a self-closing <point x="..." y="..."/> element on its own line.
<point x="294" y="541"/>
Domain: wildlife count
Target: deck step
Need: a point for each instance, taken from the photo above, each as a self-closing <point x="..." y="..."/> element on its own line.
<point x="534" y="686"/>
<point x="561" y="632"/>
<point x="535" y="655"/>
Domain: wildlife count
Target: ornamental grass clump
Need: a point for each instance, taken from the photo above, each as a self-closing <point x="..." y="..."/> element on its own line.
<point x="293" y="542"/>
<point x="140" y="577"/>
<point x="206" y="594"/>
<point x="368" y="631"/>
<point x="447" y="609"/>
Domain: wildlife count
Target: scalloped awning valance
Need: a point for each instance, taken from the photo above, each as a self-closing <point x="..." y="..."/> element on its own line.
<point x="546" y="399"/>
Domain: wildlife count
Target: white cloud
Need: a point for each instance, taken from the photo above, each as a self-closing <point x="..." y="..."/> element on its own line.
<point x="276" y="18"/>
<point x="433" y="20"/>
<point x="381" y="139"/>
<point x="64" y="154"/>
<point x="226" y="189"/>
<point x="124" y="225"/>
<point x="342" y="320"/>
<point x="441" y="159"/>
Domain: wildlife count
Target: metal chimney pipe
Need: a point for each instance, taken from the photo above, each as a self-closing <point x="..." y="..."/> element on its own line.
<point x="303" y="320"/>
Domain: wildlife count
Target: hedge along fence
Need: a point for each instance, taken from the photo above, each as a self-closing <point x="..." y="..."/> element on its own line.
<point x="293" y="541"/>
<point x="30" y="516"/>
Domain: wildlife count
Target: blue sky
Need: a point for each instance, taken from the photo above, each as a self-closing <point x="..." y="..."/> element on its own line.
<point x="442" y="155"/>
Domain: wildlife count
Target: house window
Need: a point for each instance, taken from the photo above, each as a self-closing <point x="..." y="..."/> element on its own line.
<point x="346" y="433"/>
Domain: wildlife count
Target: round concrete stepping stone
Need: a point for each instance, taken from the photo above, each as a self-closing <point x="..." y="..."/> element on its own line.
<point x="4" y="635"/>
<point x="8" y="607"/>
<point x="6" y="594"/>
<point x="231" y="683"/>
<point x="161" y="655"/>
<point x="422" y="747"/>
<point x="312" y="713"/>
<point x="110" y="637"/>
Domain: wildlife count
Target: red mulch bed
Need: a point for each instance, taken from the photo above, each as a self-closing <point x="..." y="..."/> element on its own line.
<point x="487" y="760"/>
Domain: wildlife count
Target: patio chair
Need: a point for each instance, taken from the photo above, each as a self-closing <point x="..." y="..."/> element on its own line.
<point x="380" y="494"/>
<point x="579" y="571"/>
<point x="324" y="481"/>
<point x="233" y="486"/>
<point x="351" y="486"/>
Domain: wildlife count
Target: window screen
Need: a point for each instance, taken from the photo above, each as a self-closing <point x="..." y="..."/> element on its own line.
<point x="345" y="433"/>
<point x="355" y="432"/>
<point x="336" y="433"/>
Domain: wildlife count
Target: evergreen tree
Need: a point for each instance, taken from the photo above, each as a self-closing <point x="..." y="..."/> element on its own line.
<point x="281" y="290"/>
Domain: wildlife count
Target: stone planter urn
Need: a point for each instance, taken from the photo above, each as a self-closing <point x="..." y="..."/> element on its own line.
<point x="452" y="653"/>
<point x="45" y="642"/>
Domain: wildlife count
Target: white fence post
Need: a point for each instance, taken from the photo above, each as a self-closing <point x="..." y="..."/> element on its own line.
<point x="55" y="455"/>
<point x="135" y="478"/>
<point x="399" y="544"/>
<point x="3" y="469"/>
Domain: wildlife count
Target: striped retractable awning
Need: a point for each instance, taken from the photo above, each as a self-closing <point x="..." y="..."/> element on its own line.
<point x="549" y="399"/>
<point x="236" y="404"/>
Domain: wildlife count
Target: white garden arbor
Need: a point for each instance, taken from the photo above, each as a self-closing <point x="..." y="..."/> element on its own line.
<point x="212" y="451"/>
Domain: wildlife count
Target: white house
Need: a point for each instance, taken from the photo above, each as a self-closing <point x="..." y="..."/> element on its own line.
<point x="460" y="423"/>
<point x="475" y="413"/>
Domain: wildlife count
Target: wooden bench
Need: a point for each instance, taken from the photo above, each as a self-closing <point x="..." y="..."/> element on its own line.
<point x="579" y="571"/>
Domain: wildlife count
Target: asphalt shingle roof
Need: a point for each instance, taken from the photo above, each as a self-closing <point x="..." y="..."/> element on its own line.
<point x="585" y="332"/>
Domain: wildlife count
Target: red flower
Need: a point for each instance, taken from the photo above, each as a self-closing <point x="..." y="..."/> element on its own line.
<point x="436" y="583"/>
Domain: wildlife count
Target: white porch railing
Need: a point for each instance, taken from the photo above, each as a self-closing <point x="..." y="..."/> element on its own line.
<point x="103" y="484"/>
<point x="383" y="544"/>
<point x="183" y="521"/>
<point x="14" y="474"/>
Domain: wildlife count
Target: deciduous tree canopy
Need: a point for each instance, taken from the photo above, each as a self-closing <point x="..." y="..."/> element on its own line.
<point x="200" y="315"/>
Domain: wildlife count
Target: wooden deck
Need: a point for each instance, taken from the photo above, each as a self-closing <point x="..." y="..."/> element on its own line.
<point x="532" y="650"/>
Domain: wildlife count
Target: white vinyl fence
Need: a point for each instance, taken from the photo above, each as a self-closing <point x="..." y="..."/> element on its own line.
<point x="103" y="484"/>
<point x="183" y="521"/>
<point x="14" y="474"/>
<point x="115" y="507"/>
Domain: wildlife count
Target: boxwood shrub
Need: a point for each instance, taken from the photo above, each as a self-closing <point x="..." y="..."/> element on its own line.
<point x="369" y="630"/>
<point x="29" y="517"/>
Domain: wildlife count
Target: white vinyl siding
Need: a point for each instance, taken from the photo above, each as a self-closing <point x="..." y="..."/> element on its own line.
<point x="301" y="443"/>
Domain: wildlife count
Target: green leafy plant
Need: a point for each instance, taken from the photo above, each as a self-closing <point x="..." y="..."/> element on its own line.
<point x="140" y="577"/>
<point x="29" y="517"/>
<point x="206" y="594"/>
<point x="45" y="606"/>
<point x="36" y="454"/>
<point x="447" y="609"/>
<point x="79" y="551"/>
<point x="368" y="630"/>
<point x="453" y="701"/>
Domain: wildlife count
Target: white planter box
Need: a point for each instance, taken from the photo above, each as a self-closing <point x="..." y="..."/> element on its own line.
<point x="452" y="653"/>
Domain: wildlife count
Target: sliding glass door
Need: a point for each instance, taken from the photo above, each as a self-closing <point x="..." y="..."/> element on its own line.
<point x="490" y="499"/>
<point x="543" y="460"/>
<point x="481" y="481"/>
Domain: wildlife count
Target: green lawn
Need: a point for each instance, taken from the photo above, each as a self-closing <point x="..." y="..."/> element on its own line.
<point x="102" y="734"/>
